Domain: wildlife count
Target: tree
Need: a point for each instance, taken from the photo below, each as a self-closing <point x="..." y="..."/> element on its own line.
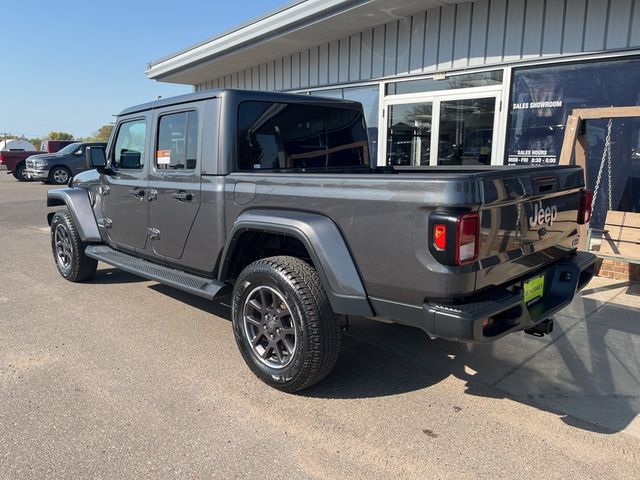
<point x="104" y="132"/>
<point x="37" y="142"/>
<point x="59" y="136"/>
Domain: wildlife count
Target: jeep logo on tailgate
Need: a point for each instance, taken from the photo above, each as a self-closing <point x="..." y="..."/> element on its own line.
<point x="543" y="215"/>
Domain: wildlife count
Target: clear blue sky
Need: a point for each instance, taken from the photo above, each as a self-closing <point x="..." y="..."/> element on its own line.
<point x="70" y="65"/>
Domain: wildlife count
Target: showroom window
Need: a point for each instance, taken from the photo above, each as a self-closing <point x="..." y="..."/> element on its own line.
<point x="543" y="97"/>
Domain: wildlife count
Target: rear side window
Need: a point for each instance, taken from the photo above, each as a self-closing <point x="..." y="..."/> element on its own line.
<point x="177" y="141"/>
<point x="299" y="137"/>
<point x="128" y="153"/>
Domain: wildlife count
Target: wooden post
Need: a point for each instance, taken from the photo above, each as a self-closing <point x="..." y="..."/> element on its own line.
<point x="581" y="155"/>
<point x="570" y="133"/>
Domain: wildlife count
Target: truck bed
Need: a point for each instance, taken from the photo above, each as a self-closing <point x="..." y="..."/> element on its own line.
<point x="384" y="217"/>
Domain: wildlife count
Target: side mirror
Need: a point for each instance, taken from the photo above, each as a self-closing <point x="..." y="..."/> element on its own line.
<point x="96" y="157"/>
<point x="78" y="152"/>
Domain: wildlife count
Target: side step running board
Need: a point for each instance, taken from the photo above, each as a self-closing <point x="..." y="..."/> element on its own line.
<point x="201" y="286"/>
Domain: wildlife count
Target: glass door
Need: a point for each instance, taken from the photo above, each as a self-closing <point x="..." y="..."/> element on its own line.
<point x="446" y="129"/>
<point x="409" y="133"/>
<point x="465" y="133"/>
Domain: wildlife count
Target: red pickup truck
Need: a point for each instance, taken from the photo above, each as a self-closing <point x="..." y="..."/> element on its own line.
<point x="15" y="162"/>
<point x="15" y="159"/>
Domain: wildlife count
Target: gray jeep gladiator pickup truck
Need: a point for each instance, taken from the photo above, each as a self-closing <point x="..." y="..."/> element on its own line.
<point x="273" y="194"/>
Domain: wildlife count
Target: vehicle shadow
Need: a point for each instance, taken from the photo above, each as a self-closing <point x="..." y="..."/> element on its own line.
<point x="220" y="307"/>
<point x="586" y="371"/>
<point x="612" y="286"/>
<point x="112" y="275"/>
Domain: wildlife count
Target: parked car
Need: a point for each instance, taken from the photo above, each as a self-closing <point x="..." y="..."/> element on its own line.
<point x="59" y="167"/>
<point x="13" y="152"/>
<point x="14" y="160"/>
<point x="273" y="194"/>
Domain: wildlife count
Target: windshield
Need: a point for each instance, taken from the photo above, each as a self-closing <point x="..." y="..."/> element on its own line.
<point x="72" y="147"/>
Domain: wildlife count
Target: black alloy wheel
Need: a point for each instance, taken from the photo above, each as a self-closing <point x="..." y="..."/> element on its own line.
<point x="283" y="323"/>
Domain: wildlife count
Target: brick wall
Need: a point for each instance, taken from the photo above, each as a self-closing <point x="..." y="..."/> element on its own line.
<point x="618" y="270"/>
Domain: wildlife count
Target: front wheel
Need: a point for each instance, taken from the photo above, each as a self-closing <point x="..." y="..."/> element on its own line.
<point x="59" y="175"/>
<point x="68" y="249"/>
<point x="283" y="323"/>
<point x="20" y="173"/>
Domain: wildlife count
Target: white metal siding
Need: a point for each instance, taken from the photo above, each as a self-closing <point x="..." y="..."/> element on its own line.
<point x="472" y="34"/>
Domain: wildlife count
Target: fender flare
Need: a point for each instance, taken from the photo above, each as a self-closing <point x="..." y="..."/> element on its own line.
<point x="79" y="205"/>
<point x="326" y="246"/>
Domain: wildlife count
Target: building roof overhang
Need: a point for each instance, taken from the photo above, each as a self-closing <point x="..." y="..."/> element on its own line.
<point x="300" y="25"/>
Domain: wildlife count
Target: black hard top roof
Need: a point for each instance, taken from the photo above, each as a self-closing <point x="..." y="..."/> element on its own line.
<point x="238" y="96"/>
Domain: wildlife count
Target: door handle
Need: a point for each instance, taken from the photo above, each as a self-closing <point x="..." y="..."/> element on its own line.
<point x="182" y="196"/>
<point x="138" y="193"/>
<point x="152" y="194"/>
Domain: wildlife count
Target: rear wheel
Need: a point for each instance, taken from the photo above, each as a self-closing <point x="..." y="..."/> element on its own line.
<point x="283" y="323"/>
<point x="68" y="249"/>
<point x="59" y="175"/>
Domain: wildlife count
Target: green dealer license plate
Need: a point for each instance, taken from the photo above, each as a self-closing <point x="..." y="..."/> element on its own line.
<point x="533" y="290"/>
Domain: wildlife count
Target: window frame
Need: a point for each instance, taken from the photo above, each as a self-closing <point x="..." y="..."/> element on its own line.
<point x="156" y="145"/>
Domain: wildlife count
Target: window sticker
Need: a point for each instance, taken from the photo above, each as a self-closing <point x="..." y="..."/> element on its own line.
<point x="163" y="157"/>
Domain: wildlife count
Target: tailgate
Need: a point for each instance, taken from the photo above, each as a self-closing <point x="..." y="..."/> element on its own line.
<point x="528" y="220"/>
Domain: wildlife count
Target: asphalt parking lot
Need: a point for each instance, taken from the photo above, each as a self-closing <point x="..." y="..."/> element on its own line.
<point x="123" y="378"/>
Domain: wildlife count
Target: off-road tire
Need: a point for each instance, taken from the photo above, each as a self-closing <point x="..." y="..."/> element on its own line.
<point x="57" y="177"/>
<point x="317" y="334"/>
<point x="76" y="266"/>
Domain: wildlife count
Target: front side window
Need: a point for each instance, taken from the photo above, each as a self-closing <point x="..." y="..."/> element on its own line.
<point x="72" y="147"/>
<point x="299" y="137"/>
<point x="128" y="153"/>
<point x="177" y="141"/>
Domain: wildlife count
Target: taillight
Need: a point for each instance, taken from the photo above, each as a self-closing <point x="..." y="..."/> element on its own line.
<point x="1" y="158"/>
<point x="584" y="213"/>
<point x="454" y="238"/>
<point x="467" y="238"/>
<point x="440" y="236"/>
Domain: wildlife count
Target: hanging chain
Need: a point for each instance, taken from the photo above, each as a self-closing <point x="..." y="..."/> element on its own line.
<point x="606" y="158"/>
<point x="624" y="217"/>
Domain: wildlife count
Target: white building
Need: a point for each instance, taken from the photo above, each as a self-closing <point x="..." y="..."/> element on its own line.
<point x="445" y="82"/>
<point x="18" y="144"/>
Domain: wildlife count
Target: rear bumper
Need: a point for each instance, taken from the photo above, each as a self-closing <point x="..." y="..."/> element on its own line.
<point x="505" y="306"/>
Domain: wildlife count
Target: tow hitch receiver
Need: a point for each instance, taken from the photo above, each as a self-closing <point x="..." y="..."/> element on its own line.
<point x="541" y="329"/>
